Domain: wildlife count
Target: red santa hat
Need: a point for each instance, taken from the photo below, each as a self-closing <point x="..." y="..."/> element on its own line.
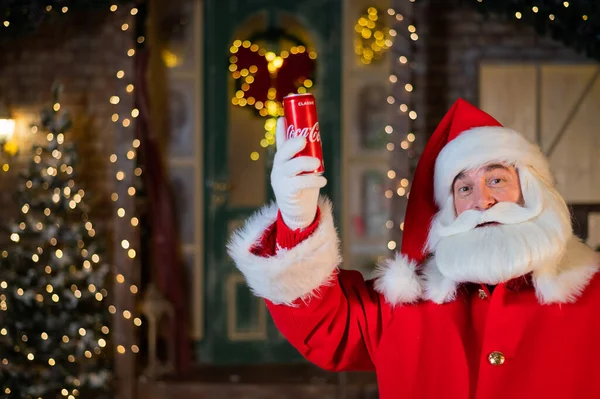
<point x="466" y="138"/>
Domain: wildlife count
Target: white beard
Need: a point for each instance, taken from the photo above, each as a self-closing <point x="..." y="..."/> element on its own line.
<point x="527" y="238"/>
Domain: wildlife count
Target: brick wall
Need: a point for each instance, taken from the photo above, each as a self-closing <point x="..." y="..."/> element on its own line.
<point x="454" y="40"/>
<point x="83" y="51"/>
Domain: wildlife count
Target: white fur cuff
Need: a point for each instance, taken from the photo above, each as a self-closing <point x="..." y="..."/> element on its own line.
<point x="291" y="273"/>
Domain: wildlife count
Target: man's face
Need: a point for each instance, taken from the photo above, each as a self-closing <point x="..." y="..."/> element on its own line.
<point x="515" y="236"/>
<point x="482" y="188"/>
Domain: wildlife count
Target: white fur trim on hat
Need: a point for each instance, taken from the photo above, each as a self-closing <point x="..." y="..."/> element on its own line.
<point x="291" y="273"/>
<point x="396" y="279"/>
<point x="482" y="145"/>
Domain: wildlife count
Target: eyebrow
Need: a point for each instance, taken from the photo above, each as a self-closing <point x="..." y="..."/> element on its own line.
<point x="495" y="166"/>
<point x="488" y="168"/>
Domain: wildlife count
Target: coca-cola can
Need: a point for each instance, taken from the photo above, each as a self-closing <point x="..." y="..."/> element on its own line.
<point x="300" y="115"/>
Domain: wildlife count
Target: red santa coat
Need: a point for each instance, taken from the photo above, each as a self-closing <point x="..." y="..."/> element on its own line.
<point x="535" y="337"/>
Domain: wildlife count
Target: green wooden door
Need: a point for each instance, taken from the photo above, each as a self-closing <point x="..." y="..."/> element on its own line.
<point x="238" y="328"/>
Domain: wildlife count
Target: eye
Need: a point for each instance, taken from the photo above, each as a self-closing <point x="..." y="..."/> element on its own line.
<point x="464" y="189"/>
<point x="496" y="181"/>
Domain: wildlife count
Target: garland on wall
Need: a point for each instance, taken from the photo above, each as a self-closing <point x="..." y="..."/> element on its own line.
<point x="263" y="77"/>
<point x="373" y="36"/>
<point x="575" y="23"/>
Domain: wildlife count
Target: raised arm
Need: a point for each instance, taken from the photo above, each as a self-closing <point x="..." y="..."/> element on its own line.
<point x="332" y="316"/>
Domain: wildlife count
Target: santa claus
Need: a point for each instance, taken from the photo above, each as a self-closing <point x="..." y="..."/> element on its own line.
<point x="492" y="295"/>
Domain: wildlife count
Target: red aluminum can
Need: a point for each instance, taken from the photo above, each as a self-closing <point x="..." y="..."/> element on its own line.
<point x="300" y="114"/>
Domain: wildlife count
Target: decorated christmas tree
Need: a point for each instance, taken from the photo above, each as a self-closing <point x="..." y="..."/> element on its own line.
<point x="54" y="314"/>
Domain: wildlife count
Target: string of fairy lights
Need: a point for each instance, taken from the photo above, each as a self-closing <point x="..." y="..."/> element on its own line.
<point x="401" y="184"/>
<point x="536" y="9"/>
<point x="130" y="153"/>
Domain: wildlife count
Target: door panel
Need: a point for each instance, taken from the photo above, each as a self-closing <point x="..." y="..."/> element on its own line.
<point x="238" y="328"/>
<point x="566" y="98"/>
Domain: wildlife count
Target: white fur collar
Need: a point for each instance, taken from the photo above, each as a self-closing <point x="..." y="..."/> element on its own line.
<point x="398" y="281"/>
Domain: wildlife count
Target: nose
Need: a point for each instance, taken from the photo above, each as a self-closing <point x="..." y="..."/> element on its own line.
<point x="484" y="198"/>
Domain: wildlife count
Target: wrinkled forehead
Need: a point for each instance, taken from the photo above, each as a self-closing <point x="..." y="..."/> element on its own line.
<point x="484" y="169"/>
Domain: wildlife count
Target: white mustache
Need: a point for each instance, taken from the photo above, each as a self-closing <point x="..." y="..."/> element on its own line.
<point x="503" y="213"/>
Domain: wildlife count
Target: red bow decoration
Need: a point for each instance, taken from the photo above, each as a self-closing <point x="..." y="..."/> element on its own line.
<point x="264" y="75"/>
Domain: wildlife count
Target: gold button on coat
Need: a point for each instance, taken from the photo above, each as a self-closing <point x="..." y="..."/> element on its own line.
<point x="482" y="294"/>
<point x="496" y="358"/>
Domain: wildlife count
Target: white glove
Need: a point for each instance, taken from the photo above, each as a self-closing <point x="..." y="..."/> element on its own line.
<point x="297" y="195"/>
